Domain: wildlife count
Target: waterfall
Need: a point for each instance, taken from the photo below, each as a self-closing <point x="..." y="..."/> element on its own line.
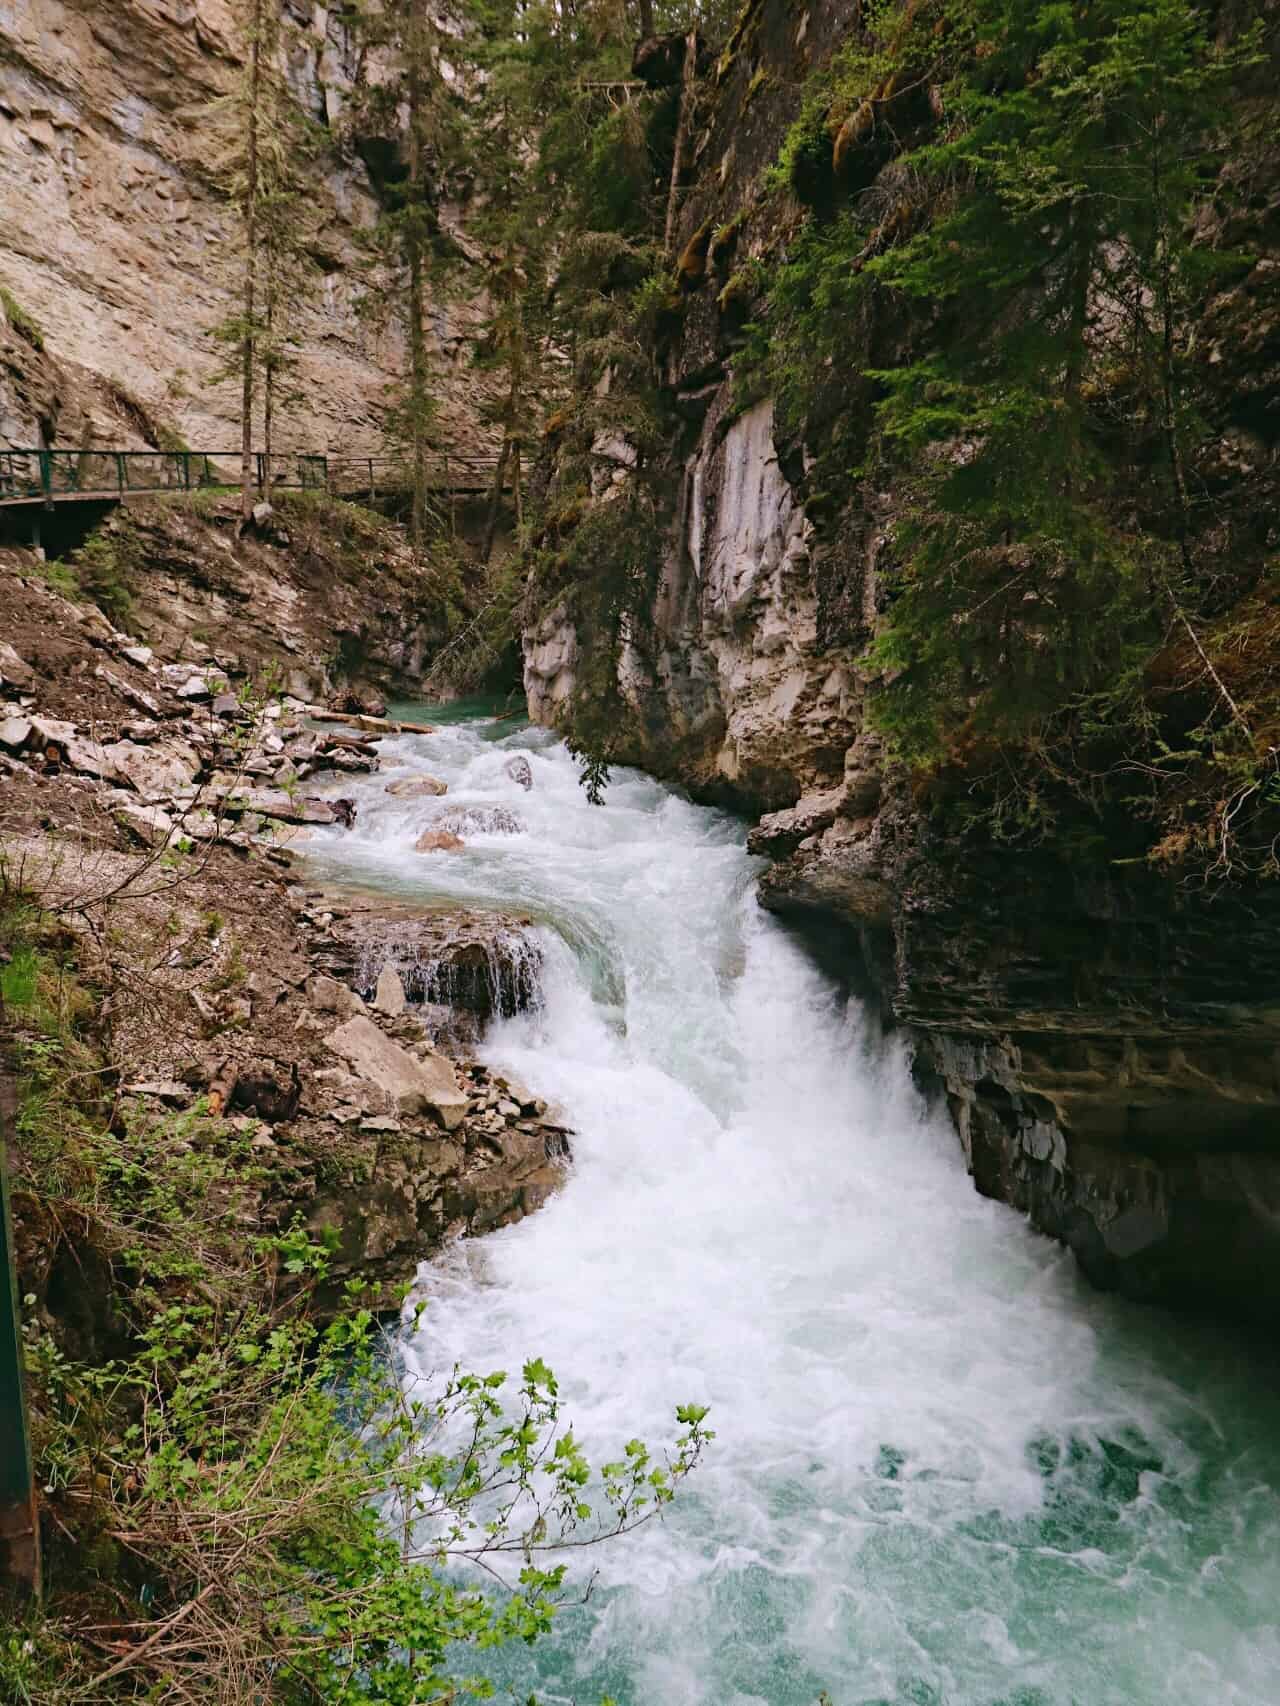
<point x="946" y="1473"/>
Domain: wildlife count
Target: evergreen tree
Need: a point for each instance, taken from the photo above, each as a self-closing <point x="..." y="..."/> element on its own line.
<point x="264" y="147"/>
<point x="410" y="103"/>
<point x="1045" y="232"/>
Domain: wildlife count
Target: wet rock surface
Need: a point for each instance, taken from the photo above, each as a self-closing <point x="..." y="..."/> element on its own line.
<point x="468" y="966"/>
<point x="1108" y="1043"/>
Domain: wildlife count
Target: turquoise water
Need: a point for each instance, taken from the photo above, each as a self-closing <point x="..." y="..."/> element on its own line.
<point x="494" y="715"/>
<point x="947" y="1473"/>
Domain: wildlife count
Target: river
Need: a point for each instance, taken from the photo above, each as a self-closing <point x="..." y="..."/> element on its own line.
<point x="946" y="1473"/>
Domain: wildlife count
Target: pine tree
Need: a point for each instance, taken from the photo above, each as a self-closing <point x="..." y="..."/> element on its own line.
<point x="1080" y="142"/>
<point x="1032" y="249"/>
<point x="265" y="145"/>
<point x="410" y="101"/>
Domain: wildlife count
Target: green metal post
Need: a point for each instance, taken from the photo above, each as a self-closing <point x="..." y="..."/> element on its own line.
<point x="19" y="1521"/>
<point x="186" y="469"/>
<point x="46" y="478"/>
<point x="120" y="472"/>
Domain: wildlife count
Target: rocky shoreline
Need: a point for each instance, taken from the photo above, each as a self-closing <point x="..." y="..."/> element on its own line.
<point x="150" y="805"/>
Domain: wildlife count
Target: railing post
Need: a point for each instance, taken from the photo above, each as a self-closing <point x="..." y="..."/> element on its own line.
<point x="186" y="469"/>
<point x="19" y="1519"/>
<point x="46" y="478"/>
<point x="120" y="472"/>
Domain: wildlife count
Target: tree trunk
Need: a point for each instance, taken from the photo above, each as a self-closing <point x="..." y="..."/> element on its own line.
<point x="687" y="79"/>
<point x="414" y="244"/>
<point x="1168" y="384"/>
<point x="269" y="391"/>
<point x="495" y="501"/>
<point x="646" y="19"/>
<point x="250" y="270"/>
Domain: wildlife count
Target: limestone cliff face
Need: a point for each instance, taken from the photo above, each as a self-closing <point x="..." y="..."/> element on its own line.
<point x="1107" y="1039"/>
<point x="730" y="674"/>
<point x="114" y="236"/>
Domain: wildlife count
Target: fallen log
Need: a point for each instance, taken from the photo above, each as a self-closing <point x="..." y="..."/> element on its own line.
<point x="386" y="725"/>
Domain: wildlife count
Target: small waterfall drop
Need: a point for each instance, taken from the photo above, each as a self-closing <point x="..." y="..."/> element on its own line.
<point x="946" y="1473"/>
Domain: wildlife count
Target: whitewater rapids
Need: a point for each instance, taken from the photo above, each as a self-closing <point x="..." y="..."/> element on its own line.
<point x="945" y="1473"/>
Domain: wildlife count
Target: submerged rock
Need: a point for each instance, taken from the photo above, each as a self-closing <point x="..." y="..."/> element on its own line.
<point x="416" y="787"/>
<point x="520" y="771"/>
<point x="482" y="964"/>
<point x="438" y="841"/>
<point x="477" y="820"/>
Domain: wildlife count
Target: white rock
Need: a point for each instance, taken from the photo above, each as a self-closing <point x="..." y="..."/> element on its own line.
<point x="414" y="1085"/>
<point x="416" y="787"/>
<point x="15" y="732"/>
<point x="14" y="671"/>
<point x="327" y="995"/>
<point x="52" y="731"/>
<point x="159" y="769"/>
<point x="389" y="995"/>
<point x="151" y="824"/>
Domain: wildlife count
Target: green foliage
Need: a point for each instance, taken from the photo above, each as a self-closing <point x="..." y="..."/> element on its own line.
<point x="107" y="566"/>
<point x="58" y="577"/>
<point x="1004" y="269"/>
<point x="23" y="324"/>
<point x="322" y="1516"/>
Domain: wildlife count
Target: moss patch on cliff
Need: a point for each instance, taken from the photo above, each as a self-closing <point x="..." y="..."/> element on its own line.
<point x="24" y="324"/>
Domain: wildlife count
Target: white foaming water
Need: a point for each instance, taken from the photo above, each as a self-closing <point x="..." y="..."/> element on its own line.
<point x="946" y="1474"/>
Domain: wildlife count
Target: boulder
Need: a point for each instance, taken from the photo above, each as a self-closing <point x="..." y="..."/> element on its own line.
<point x="520" y="771"/>
<point x="91" y="758"/>
<point x="15" y="732"/>
<point x="327" y="995"/>
<point x="778" y="834"/>
<point x="158" y="769"/>
<point x="141" y="655"/>
<point x="438" y="841"/>
<point x="414" y="1085"/>
<point x="275" y="802"/>
<point x="13" y="671"/>
<point x="150" y="824"/>
<point x="52" y="733"/>
<point x="416" y="787"/>
<point x="340" y="759"/>
<point x="451" y="961"/>
<point x="388" y="996"/>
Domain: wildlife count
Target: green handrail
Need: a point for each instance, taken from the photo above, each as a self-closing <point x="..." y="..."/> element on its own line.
<point x="19" y="1519"/>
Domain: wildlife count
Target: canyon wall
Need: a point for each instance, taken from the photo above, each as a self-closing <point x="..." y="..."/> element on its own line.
<point x="117" y="241"/>
<point x="1105" y="1034"/>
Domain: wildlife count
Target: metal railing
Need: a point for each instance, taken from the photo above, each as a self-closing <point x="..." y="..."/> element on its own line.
<point x="48" y="475"/>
